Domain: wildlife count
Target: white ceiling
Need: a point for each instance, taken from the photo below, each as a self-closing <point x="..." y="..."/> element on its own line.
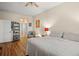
<point x="19" y="7"/>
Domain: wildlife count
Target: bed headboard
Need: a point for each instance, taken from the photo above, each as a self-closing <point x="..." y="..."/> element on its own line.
<point x="71" y="36"/>
<point x="65" y="35"/>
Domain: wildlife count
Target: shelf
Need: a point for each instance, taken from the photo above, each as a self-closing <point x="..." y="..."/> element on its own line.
<point x="16" y="30"/>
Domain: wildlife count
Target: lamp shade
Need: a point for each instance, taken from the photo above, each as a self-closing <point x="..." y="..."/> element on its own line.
<point x="46" y="29"/>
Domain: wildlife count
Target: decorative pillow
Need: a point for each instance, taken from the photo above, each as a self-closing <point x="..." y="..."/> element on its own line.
<point x="71" y="36"/>
<point x="56" y="34"/>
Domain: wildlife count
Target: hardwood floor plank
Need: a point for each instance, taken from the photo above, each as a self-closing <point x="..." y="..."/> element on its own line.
<point x="16" y="48"/>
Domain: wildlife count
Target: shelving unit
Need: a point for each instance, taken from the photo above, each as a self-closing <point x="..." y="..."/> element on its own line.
<point x="16" y="30"/>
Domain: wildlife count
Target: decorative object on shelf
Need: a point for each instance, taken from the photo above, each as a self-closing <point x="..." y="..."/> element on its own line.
<point x="37" y="23"/>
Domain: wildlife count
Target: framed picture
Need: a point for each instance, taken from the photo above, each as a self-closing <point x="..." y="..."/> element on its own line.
<point x="37" y="23"/>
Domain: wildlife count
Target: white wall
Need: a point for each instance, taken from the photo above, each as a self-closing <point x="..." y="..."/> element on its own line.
<point x="64" y="17"/>
<point x="10" y="16"/>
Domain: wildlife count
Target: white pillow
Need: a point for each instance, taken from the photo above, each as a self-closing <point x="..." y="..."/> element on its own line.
<point x="71" y="36"/>
<point x="56" y="34"/>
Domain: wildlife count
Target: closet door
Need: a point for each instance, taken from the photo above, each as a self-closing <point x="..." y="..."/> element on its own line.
<point x="1" y="31"/>
<point x="7" y="31"/>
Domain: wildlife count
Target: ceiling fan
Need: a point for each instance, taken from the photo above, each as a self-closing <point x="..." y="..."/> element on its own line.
<point x="31" y="4"/>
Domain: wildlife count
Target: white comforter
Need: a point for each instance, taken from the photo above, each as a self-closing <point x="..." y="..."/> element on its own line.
<point x="52" y="46"/>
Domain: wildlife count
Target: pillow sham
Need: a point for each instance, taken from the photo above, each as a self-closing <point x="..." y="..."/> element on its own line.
<point x="56" y="34"/>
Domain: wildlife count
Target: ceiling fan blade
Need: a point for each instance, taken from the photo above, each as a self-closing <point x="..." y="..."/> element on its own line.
<point x="36" y="4"/>
<point x="27" y="4"/>
<point x="31" y="3"/>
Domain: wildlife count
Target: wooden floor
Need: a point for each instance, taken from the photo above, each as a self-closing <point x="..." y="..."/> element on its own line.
<point x="16" y="48"/>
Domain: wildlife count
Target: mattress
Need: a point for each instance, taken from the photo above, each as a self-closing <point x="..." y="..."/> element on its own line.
<point x="52" y="46"/>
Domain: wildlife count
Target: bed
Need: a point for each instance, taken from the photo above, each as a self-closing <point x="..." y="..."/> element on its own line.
<point x="52" y="46"/>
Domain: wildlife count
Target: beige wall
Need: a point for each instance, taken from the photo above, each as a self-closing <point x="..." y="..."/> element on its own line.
<point x="64" y="17"/>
